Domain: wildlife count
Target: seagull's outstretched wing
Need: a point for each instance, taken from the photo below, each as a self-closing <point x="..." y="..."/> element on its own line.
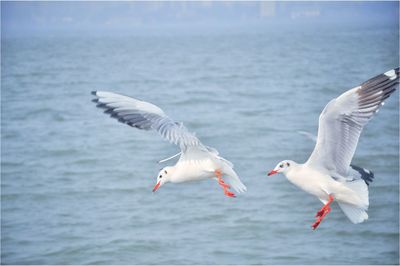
<point x="342" y="120"/>
<point x="144" y="115"/>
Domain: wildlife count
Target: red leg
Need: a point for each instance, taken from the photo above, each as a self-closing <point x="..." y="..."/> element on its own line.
<point x="322" y="213"/>
<point x="323" y="209"/>
<point x="224" y="185"/>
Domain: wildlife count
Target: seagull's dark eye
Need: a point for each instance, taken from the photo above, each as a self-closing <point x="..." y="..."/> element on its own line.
<point x="160" y="176"/>
<point x="281" y="165"/>
<point x="165" y="171"/>
<point x="288" y="164"/>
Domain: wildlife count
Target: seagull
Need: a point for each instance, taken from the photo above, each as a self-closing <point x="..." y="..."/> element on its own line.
<point x="328" y="174"/>
<point x="196" y="161"/>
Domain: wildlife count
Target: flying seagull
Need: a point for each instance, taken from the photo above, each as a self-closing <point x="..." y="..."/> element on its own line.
<point x="327" y="174"/>
<point x="196" y="162"/>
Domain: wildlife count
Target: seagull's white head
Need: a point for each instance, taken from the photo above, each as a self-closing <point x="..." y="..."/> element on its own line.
<point x="282" y="167"/>
<point x="163" y="177"/>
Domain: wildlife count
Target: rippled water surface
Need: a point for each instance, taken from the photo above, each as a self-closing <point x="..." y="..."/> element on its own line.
<point x="76" y="185"/>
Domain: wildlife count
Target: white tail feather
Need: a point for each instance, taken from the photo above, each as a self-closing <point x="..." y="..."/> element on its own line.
<point x="356" y="211"/>
<point x="361" y="190"/>
<point x="233" y="180"/>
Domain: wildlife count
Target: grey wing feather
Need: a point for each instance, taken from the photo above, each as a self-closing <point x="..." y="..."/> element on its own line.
<point x="342" y="120"/>
<point x="146" y="116"/>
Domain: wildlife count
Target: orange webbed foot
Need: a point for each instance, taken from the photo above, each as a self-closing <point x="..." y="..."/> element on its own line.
<point x="322" y="213"/>
<point x="229" y="194"/>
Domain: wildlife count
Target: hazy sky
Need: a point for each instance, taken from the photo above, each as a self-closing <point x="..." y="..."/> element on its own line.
<point x="37" y="17"/>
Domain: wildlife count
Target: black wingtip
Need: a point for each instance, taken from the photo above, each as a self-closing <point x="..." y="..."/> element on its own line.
<point x="95" y="100"/>
<point x="365" y="174"/>
<point x="101" y="105"/>
<point x="94" y="93"/>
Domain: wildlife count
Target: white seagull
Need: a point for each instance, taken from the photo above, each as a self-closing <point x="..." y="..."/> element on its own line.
<point x="328" y="174"/>
<point x="196" y="161"/>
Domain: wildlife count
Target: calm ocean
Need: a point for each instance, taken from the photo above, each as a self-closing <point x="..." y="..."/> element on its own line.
<point x="76" y="185"/>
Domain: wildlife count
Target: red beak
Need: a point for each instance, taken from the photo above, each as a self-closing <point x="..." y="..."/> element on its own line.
<point x="272" y="172"/>
<point x="156" y="186"/>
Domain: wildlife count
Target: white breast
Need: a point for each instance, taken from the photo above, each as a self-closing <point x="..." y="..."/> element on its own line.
<point x="311" y="181"/>
<point x="191" y="170"/>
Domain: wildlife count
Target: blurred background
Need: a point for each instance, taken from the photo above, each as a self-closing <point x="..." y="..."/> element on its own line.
<point x="245" y="76"/>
